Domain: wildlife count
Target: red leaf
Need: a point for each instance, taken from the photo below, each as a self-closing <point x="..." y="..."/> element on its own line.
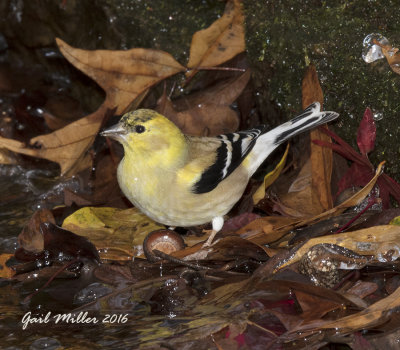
<point x="366" y="133"/>
<point x="357" y="175"/>
<point x="392" y="186"/>
<point x="346" y="152"/>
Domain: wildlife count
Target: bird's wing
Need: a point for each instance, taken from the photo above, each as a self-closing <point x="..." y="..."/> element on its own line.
<point x="217" y="157"/>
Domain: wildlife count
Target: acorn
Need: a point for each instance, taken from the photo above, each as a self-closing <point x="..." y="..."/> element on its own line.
<point x="167" y="241"/>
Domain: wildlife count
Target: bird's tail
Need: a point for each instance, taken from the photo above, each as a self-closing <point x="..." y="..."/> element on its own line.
<point x="310" y="118"/>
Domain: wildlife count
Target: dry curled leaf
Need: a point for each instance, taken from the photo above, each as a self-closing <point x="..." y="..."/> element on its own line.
<point x="221" y="41"/>
<point x="321" y="158"/>
<point x="392" y="55"/>
<point x="123" y="75"/>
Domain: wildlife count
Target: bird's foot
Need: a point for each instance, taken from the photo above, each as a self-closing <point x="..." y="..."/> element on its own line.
<point x="210" y="239"/>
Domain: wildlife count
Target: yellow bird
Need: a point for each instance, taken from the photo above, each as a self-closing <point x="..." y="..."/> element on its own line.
<point x="180" y="180"/>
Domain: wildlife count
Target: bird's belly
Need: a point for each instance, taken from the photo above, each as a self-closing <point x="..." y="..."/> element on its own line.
<point x="171" y="206"/>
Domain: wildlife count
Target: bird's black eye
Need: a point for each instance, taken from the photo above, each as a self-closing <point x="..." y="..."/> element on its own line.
<point x="139" y="129"/>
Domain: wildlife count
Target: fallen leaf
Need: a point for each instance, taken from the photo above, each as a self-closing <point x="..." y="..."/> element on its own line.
<point x="5" y="271"/>
<point x="300" y="192"/>
<point x="221" y="41"/>
<point x="208" y="112"/>
<point x="6" y="157"/>
<point x="207" y="120"/>
<point x="321" y="158"/>
<point x="361" y="170"/>
<point x="392" y="55"/>
<point x="354" y="200"/>
<point x="58" y="240"/>
<point x="375" y="314"/>
<point x="117" y="234"/>
<point x="366" y="133"/>
<point x="31" y="239"/>
<point x="222" y="93"/>
<point x="67" y="146"/>
<point x="125" y="74"/>
<point x="269" y="229"/>
<point x="362" y="289"/>
<point x="270" y="178"/>
<point x="369" y="241"/>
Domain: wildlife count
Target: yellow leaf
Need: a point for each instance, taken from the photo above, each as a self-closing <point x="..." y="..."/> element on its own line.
<point x="395" y="221"/>
<point x="117" y="234"/>
<point x="270" y="178"/>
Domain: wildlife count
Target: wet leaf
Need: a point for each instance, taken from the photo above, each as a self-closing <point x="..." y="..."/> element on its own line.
<point x="300" y="192"/>
<point x="219" y="42"/>
<point x="373" y="315"/>
<point x="370" y="241"/>
<point x="117" y="234"/>
<point x="5" y="271"/>
<point x="67" y="146"/>
<point x="361" y="169"/>
<point x="267" y="229"/>
<point x="58" y="240"/>
<point x="350" y="202"/>
<point x="270" y="178"/>
<point x="363" y="289"/>
<point x="392" y="56"/>
<point x="31" y="239"/>
<point x="366" y="133"/>
<point x="7" y="157"/>
<point x="321" y="158"/>
<point x="208" y="112"/>
<point x="125" y="74"/>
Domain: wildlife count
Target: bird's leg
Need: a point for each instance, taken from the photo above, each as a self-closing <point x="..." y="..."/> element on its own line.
<point x="217" y="224"/>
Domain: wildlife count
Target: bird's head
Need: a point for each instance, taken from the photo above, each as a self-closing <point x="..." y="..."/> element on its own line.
<point x="146" y="133"/>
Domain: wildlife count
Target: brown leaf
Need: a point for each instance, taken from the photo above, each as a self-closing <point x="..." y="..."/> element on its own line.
<point x="392" y="56"/>
<point x="57" y="239"/>
<point x="352" y="201"/>
<point x="370" y="241"/>
<point x="67" y="146"/>
<point x="206" y="113"/>
<point x="321" y="157"/>
<point x="123" y="75"/>
<point x="223" y="93"/>
<point x="31" y="239"/>
<point x="219" y="42"/>
<point x="363" y="289"/>
<point x="5" y="271"/>
<point x="207" y="120"/>
<point x="300" y="192"/>
<point x="377" y="313"/>
<point x="267" y="229"/>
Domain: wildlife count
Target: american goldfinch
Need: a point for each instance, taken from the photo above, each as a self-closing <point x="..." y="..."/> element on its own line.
<point x="180" y="180"/>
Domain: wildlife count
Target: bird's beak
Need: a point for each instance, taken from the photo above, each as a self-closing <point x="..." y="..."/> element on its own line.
<point x="116" y="132"/>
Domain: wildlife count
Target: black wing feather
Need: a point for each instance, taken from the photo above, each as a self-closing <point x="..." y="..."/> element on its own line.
<point x="230" y="154"/>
